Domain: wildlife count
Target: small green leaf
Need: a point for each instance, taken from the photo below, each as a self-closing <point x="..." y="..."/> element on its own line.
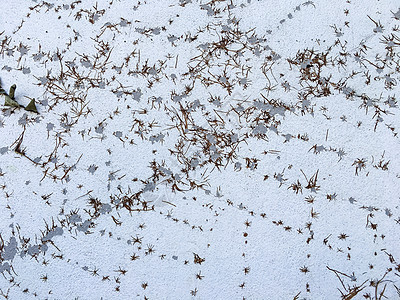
<point x="2" y="91"/>
<point x="32" y="106"/>
<point x="10" y="102"/>
<point x="12" y="91"/>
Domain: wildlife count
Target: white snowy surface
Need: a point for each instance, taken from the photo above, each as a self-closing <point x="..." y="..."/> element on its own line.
<point x="194" y="149"/>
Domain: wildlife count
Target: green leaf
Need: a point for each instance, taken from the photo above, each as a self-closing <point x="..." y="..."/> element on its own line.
<point x="2" y="91"/>
<point x="12" y="91"/>
<point x="32" y="106"/>
<point x="10" y="102"/>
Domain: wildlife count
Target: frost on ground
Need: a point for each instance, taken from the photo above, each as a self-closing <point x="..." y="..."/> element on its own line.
<point x="206" y="149"/>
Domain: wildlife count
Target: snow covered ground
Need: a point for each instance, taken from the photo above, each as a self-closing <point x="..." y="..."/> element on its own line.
<point x="200" y="149"/>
